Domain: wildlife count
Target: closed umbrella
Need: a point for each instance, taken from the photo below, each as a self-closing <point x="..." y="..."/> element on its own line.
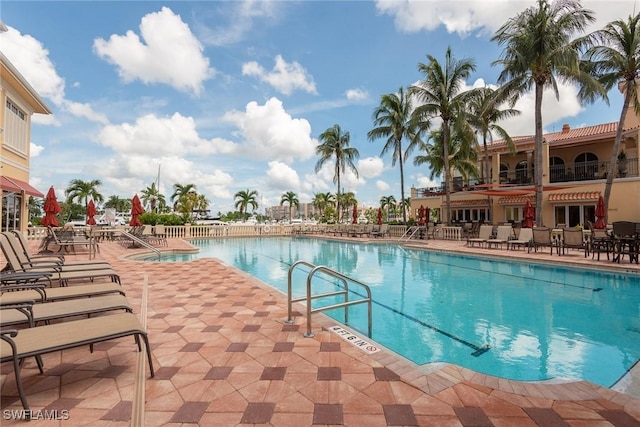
<point x="529" y="215"/>
<point x="51" y="209"/>
<point x="354" y="219"/>
<point x="136" y="209"/>
<point x="379" y="216"/>
<point x="91" y="212"/>
<point x="600" y="214"/>
<point x="421" y="215"/>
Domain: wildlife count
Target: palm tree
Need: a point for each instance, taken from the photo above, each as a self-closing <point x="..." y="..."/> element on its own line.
<point x="244" y="199"/>
<point x="292" y="199"/>
<point x="395" y="122"/>
<point x="181" y="198"/>
<point x="322" y="201"/>
<point x="614" y="58"/>
<point x="539" y="49"/>
<point x="152" y="196"/>
<point x="81" y="191"/>
<point x="442" y="96"/>
<point x="348" y="201"/>
<point x="335" y="146"/>
<point x="388" y="203"/>
<point x="120" y="205"/>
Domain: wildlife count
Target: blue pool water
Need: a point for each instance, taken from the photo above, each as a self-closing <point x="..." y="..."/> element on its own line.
<point x="515" y="320"/>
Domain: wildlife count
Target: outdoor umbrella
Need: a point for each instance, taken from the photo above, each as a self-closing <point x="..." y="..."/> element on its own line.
<point x="51" y="209"/>
<point x="421" y="215"/>
<point x="136" y="209"/>
<point x="379" y="216"/>
<point x="529" y="214"/>
<point x="600" y="214"/>
<point x="427" y="214"/>
<point x="91" y="211"/>
<point x="355" y="214"/>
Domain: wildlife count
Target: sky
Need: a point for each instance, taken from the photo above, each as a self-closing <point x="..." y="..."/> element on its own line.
<point x="233" y="95"/>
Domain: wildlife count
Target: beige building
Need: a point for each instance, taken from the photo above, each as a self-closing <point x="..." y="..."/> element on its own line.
<point x="575" y="166"/>
<point x="20" y="102"/>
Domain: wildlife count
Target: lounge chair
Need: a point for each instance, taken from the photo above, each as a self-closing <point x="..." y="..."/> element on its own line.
<point x="24" y="292"/>
<point x="572" y="238"/>
<point x="484" y="233"/>
<point x="542" y="238"/>
<point x="16" y="345"/>
<point x="61" y="273"/>
<point x="47" y="311"/>
<point x="524" y="240"/>
<point x="503" y="235"/>
<point x="382" y="231"/>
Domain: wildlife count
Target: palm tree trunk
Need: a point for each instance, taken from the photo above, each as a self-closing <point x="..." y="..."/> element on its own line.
<point x="613" y="163"/>
<point x="487" y="178"/>
<point x="445" y="149"/>
<point x="404" y="210"/>
<point x="538" y="153"/>
<point x="338" y="197"/>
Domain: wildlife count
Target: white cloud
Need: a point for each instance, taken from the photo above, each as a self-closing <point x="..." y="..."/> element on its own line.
<point x="282" y="177"/>
<point x="426" y="182"/>
<point x="85" y="110"/>
<point x="170" y="136"/>
<point x="357" y="94"/>
<point x="285" y="77"/>
<point x="370" y="167"/>
<point x="168" y="53"/>
<point x="35" y="149"/>
<point x="382" y="185"/>
<point x="270" y="133"/>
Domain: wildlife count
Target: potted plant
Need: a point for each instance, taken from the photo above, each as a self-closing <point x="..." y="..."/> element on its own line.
<point x="622" y="163"/>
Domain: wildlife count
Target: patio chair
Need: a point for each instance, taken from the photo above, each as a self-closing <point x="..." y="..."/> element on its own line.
<point x="47" y="311"/>
<point x="503" y="235"/>
<point x="484" y="233"/>
<point x="382" y="231"/>
<point x="542" y="238"/>
<point x="601" y="242"/>
<point x="160" y="234"/>
<point x="17" y="345"/>
<point x="572" y="238"/>
<point x="524" y="240"/>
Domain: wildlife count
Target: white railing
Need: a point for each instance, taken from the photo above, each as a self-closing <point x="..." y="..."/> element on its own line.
<point x="450" y="233"/>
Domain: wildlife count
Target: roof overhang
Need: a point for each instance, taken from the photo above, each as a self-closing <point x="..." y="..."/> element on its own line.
<point x="14" y="185"/>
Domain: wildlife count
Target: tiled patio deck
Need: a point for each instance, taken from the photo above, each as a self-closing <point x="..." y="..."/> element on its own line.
<point x="224" y="357"/>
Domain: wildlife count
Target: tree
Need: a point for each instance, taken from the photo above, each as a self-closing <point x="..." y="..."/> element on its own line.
<point x="388" y="203"/>
<point x="292" y="199"/>
<point x="323" y="200"/>
<point x="335" y="146"/>
<point x="81" y="191"/>
<point x="120" y="205"/>
<point x="442" y="96"/>
<point x="244" y="199"/>
<point x="394" y="121"/>
<point x="614" y="59"/>
<point x="540" y="48"/>
<point x="182" y="198"/>
<point x="152" y="196"/>
<point x="348" y="201"/>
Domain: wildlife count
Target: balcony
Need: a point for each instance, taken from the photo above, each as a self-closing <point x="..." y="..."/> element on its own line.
<point x="586" y="171"/>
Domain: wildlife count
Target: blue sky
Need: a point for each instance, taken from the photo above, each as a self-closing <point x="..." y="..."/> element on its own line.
<point x="232" y="95"/>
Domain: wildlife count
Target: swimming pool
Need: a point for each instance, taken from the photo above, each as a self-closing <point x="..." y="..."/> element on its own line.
<point x="514" y="320"/>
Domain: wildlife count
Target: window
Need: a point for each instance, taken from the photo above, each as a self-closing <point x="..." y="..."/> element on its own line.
<point x="15" y="127"/>
<point x="573" y="215"/>
<point x="522" y="173"/>
<point x="557" y="169"/>
<point x="586" y="167"/>
<point x="11" y="211"/>
<point x="513" y="213"/>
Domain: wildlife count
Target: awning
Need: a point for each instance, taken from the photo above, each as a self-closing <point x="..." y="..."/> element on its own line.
<point x="517" y="200"/>
<point x="17" y="186"/>
<point x="468" y="203"/>
<point x="584" y="196"/>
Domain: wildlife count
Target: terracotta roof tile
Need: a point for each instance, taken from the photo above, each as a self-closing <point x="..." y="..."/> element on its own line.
<point x="471" y="202"/>
<point x="517" y="200"/>
<point x="584" y="196"/>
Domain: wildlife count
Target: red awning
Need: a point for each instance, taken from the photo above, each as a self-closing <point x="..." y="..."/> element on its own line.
<point x="16" y="186"/>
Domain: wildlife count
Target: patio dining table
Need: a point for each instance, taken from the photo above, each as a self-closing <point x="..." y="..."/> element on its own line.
<point x="626" y="245"/>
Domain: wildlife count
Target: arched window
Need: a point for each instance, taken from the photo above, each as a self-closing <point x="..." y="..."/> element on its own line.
<point x="504" y="173"/>
<point x="586" y="167"/>
<point x="522" y="174"/>
<point x="557" y="169"/>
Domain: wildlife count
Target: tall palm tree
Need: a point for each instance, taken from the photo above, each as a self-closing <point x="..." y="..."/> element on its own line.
<point x="152" y="196"/>
<point x="394" y="121"/>
<point x="120" y="205"/>
<point x="388" y="203"/>
<point x="540" y="48"/>
<point x="292" y="199"/>
<point x="81" y="191"/>
<point x="335" y="146"/>
<point x="348" y="201"/>
<point x="182" y="198"/>
<point x="244" y="199"/>
<point x="614" y="58"/>
<point x="442" y="96"/>
<point x="323" y="200"/>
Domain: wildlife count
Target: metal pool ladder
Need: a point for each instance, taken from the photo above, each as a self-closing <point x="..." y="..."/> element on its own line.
<point x="345" y="291"/>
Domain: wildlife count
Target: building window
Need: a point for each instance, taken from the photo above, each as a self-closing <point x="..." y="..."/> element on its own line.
<point x="586" y="167"/>
<point x="15" y="127"/>
<point x="513" y="213"/>
<point x="573" y="215"/>
<point x="522" y="172"/>
<point x="11" y="211"/>
<point x="557" y="170"/>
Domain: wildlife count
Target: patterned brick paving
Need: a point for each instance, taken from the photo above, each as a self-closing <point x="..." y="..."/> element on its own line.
<point x="224" y="357"/>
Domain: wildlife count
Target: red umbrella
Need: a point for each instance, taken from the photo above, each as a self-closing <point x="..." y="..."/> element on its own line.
<point x="379" y="216"/>
<point x="600" y="214"/>
<point x="529" y="214"/>
<point x="51" y="209"/>
<point x="427" y="214"/>
<point x="421" y="215"/>
<point x="136" y="209"/>
<point x="355" y="214"/>
<point x="91" y="211"/>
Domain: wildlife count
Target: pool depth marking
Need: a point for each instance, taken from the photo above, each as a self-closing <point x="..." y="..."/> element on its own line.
<point x="355" y="340"/>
